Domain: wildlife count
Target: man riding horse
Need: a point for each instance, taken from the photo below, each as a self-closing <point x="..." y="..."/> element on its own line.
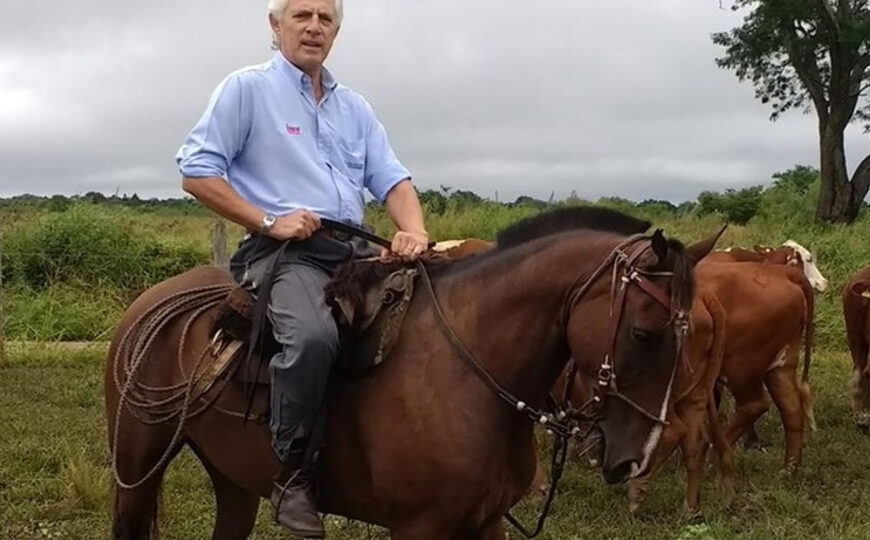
<point x="280" y="146"/>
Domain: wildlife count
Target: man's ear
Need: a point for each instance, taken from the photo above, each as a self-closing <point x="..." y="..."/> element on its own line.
<point x="274" y="24"/>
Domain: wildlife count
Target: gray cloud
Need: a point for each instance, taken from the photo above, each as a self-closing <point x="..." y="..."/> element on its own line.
<point x="614" y="98"/>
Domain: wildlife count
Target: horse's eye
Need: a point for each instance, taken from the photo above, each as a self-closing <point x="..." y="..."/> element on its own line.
<point x="641" y="336"/>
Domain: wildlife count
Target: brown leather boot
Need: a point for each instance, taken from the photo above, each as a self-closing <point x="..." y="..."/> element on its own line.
<point x="294" y="502"/>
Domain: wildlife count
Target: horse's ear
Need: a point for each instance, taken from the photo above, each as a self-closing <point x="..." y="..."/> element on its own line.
<point x="659" y="245"/>
<point x="699" y="250"/>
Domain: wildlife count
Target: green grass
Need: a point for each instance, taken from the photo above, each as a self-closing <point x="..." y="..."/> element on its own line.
<point x="64" y="280"/>
<point x="54" y="476"/>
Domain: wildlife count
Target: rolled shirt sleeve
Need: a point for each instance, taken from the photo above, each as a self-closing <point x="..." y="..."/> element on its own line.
<point x="219" y="135"/>
<point x="383" y="170"/>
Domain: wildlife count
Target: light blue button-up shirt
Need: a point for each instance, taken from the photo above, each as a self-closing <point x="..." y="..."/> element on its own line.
<point x="281" y="151"/>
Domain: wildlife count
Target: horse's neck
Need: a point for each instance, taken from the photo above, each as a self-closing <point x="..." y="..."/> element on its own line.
<point x="509" y="308"/>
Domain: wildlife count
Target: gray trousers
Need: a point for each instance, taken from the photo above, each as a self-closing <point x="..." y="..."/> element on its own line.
<point x="302" y="324"/>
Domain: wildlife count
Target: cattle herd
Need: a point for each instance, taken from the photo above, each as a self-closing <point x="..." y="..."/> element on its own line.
<point x="751" y="335"/>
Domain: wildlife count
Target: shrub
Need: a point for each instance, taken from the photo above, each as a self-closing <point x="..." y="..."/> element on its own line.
<point x="91" y="245"/>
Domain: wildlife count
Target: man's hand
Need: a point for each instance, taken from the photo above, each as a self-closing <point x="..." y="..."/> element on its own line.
<point x="297" y="225"/>
<point x="408" y="246"/>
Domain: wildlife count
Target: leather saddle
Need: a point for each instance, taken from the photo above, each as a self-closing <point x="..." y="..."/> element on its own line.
<point x="369" y="300"/>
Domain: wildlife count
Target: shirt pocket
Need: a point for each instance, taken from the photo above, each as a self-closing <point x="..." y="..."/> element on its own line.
<point x="352" y="153"/>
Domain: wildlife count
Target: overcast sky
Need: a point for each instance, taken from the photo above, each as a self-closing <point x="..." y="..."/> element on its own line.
<point x="614" y="97"/>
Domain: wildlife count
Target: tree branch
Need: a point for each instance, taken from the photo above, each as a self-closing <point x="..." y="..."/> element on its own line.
<point x="828" y="16"/>
<point x="861" y="178"/>
<point x="807" y="71"/>
<point x="859" y="71"/>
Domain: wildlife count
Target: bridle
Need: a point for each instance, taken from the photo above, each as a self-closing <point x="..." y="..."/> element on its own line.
<point x="625" y="273"/>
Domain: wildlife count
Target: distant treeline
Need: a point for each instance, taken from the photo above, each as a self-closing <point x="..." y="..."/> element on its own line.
<point x="736" y="205"/>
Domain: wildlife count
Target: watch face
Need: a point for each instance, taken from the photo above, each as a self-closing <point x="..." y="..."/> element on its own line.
<point x="268" y="221"/>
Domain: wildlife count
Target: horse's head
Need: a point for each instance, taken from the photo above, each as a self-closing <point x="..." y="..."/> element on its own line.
<point x="627" y="335"/>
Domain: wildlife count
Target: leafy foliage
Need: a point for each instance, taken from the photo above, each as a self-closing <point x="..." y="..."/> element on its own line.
<point x="795" y="51"/>
<point x="738" y="206"/>
<point x="89" y="245"/>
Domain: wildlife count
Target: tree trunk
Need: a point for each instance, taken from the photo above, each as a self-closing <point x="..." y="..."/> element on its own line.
<point x="836" y="198"/>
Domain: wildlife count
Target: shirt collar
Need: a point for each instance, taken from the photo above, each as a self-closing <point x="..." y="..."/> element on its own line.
<point x="299" y="78"/>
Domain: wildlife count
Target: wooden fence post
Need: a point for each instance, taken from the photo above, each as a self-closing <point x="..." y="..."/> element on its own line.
<point x="219" y="254"/>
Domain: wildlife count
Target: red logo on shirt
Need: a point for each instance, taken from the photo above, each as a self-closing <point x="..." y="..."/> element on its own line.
<point x="294" y="130"/>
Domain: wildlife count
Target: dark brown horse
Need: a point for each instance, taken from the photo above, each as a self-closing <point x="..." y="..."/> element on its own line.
<point x="421" y="445"/>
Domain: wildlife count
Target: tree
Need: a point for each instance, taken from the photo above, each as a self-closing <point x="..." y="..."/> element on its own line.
<point x="798" y="178"/>
<point x="811" y="53"/>
<point x="738" y="206"/>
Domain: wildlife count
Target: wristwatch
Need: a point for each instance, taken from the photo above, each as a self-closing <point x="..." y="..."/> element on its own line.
<point x="268" y="222"/>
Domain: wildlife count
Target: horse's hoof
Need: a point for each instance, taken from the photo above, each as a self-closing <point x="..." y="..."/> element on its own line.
<point x="633" y="507"/>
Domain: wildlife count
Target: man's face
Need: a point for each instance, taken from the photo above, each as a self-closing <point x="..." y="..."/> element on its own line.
<point x="306" y="32"/>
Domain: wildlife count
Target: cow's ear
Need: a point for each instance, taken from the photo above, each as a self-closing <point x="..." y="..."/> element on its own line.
<point x="699" y="250"/>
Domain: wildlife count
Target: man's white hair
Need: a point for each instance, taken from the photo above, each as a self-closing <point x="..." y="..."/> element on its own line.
<point x="278" y="7"/>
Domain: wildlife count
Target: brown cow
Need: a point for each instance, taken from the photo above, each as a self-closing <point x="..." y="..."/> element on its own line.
<point x="790" y="254"/>
<point x="856" y="311"/>
<point x="765" y="309"/>
<point x="692" y="419"/>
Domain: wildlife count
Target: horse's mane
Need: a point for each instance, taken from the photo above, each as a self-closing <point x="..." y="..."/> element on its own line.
<point x="569" y="219"/>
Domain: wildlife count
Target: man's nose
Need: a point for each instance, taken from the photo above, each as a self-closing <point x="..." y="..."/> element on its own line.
<point x="315" y="25"/>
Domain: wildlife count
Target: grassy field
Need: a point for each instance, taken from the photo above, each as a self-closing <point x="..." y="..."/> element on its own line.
<point x="54" y="478"/>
